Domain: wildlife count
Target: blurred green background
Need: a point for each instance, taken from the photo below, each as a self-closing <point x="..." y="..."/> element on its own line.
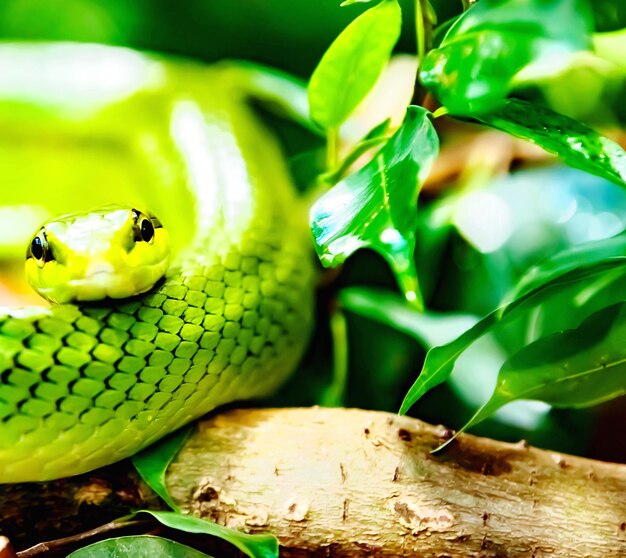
<point x="465" y="267"/>
<point x="289" y="35"/>
<point x="282" y="33"/>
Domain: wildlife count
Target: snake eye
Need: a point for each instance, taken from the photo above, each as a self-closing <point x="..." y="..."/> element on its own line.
<point x="147" y="230"/>
<point x="36" y="248"/>
<point x="39" y="248"/>
<point x="144" y="228"/>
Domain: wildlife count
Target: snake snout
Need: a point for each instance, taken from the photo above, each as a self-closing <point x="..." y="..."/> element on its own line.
<point x="99" y="267"/>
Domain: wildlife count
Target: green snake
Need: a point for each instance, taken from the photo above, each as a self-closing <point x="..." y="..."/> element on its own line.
<point x="86" y="384"/>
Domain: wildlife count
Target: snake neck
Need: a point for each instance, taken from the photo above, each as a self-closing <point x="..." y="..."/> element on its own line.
<point x="236" y="196"/>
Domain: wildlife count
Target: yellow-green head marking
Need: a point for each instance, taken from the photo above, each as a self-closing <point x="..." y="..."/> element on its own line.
<point x="114" y="252"/>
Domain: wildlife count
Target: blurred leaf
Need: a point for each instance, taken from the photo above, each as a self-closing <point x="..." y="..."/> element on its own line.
<point x="576" y="144"/>
<point x="428" y="329"/>
<point x="595" y="79"/>
<point x="563" y="20"/>
<point x="377" y="206"/>
<point x="353" y="63"/>
<point x="611" y="46"/>
<point x="255" y="546"/>
<point x="430" y="14"/>
<point x="152" y="463"/>
<point x="137" y="546"/>
<point x="609" y="15"/>
<point x="471" y="71"/>
<point x="440" y="361"/>
<point x="574" y="368"/>
<point x="584" y="254"/>
<point x="381" y="361"/>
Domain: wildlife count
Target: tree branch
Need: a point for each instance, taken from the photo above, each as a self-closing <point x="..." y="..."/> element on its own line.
<point x="355" y="483"/>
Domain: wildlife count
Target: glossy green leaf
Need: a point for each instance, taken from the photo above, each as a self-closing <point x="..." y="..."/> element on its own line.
<point x="440" y="361"/>
<point x="152" y="463"/>
<point x="569" y="305"/>
<point x="352" y="64"/>
<point x="137" y="546"/>
<point x="427" y="328"/>
<point x="472" y="70"/>
<point x="255" y="546"/>
<point x="573" y="368"/>
<point x="576" y="144"/>
<point x="376" y="207"/>
<point x="588" y="253"/>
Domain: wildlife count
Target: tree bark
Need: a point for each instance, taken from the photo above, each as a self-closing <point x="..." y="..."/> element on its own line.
<point x="341" y="482"/>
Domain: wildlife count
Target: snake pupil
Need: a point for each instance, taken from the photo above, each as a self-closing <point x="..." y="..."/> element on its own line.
<point x="147" y="230"/>
<point x="36" y="248"/>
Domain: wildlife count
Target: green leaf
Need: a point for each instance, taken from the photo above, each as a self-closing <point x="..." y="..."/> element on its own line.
<point x="472" y="70"/>
<point x="377" y="206"/>
<point x="588" y="253"/>
<point x="611" y="46"/>
<point x="352" y="64"/>
<point x="152" y="463"/>
<point x="427" y="328"/>
<point x="137" y="546"/>
<point x="576" y="144"/>
<point x="255" y="546"/>
<point x="573" y="368"/>
<point x="440" y="361"/>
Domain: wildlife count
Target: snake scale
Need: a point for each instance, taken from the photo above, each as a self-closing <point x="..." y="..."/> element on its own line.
<point x="85" y="385"/>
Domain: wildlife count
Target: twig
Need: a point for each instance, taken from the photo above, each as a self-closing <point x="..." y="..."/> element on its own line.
<point x="56" y="544"/>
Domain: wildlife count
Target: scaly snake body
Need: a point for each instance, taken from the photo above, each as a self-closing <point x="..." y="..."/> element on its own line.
<point x="85" y="385"/>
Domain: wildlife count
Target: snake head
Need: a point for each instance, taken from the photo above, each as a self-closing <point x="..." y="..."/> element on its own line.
<point x="112" y="252"/>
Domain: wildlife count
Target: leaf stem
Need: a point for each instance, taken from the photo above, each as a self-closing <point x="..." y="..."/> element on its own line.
<point x="360" y="149"/>
<point x="409" y="284"/>
<point x="50" y="546"/>
<point x="441" y="111"/>
<point x="420" y="31"/>
<point x="334" y="394"/>
<point x="332" y="147"/>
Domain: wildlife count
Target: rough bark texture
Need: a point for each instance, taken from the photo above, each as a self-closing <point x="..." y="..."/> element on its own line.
<point x="337" y="482"/>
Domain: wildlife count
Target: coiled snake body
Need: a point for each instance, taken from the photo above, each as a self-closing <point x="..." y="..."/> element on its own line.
<point x="85" y="385"/>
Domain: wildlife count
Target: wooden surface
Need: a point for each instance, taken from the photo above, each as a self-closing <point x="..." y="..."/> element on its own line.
<point x="338" y="482"/>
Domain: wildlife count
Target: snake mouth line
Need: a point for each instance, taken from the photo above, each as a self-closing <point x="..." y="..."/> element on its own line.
<point x="99" y="279"/>
<point x="106" y="283"/>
